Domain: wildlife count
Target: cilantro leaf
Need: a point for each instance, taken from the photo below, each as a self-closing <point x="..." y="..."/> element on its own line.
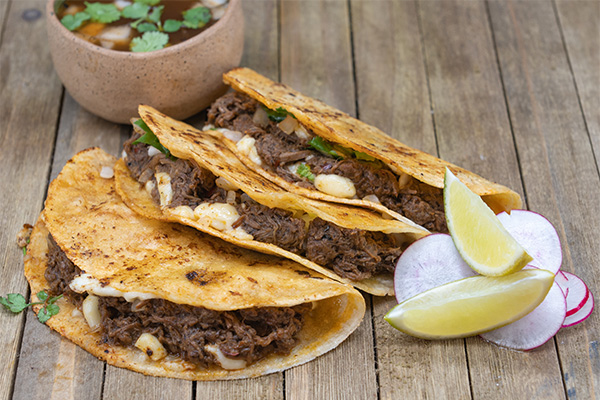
<point x="24" y="251"/>
<point x="156" y="14"/>
<point x="150" y="139"/>
<point x="146" y="27"/>
<point x="44" y="315"/>
<point x="72" y="22"/>
<point x="54" y="299"/>
<point x="52" y="309"/>
<point x="363" y="156"/>
<point x="105" y="13"/>
<point x="136" y="10"/>
<point x="15" y="302"/>
<point x="149" y="41"/>
<point x="148" y="2"/>
<point x="172" y="25"/>
<point x="196" y="17"/>
<point x="42" y="295"/>
<point x="304" y="171"/>
<point x="278" y="114"/>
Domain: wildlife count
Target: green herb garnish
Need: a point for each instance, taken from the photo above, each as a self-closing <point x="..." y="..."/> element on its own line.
<point x="105" y="13"/>
<point x="16" y="303"/>
<point x="148" y="2"/>
<point x="172" y="25"/>
<point x="156" y="14"/>
<point x="304" y="171"/>
<point x="196" y="17"/>
<point x="72" y="22"/>
<point x="25" y="247"/>
<point x="147" y="27"/>
<point x="150" y="139"/>
<point x="323" y="147"/>
<point x="136" y="11"/>
<point x="278" y="114"/>
<point x="363" y="156"/>
<point x="149" y="41"/>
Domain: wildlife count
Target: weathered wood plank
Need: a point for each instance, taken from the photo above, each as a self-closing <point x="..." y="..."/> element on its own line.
<point x="581" y="30"/>
<point x="393" y="95"/>
<point x="30" y="96"/>
<point x="316" y="59"/>
<point x="56" y="365"/>
<point x="4" y="5"/>
<point x="124" y="384"/>
<point x="473" y="130"/>
<point x="557" y="162"/>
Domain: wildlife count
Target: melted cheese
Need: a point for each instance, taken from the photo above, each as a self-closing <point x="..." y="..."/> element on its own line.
<point x="150" y="345"/>
<point x="335" y="185"/>
<point x="225" y="362"/>
<point x="247" y="147"/>
<point x="91" y="312"/>
<point x="164" y="188"/>
<point x="220" y="215"/>
<point x="87" y="283"/>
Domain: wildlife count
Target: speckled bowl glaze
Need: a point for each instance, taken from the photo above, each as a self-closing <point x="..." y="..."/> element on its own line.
<point x="179" y="80"/>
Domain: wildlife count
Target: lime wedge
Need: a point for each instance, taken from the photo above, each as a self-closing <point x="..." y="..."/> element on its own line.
<point x="482" y="241"/>
<point x="472" y="305"/>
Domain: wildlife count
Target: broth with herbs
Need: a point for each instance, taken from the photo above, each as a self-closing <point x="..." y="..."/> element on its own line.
<point x="139" y="25"/>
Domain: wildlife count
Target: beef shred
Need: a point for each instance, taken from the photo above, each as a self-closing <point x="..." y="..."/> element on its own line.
<point x="419" y="202"/>
<point x="184" y="330"/>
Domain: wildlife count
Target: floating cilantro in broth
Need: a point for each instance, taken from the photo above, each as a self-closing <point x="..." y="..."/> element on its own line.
<point x="176" y="21"/>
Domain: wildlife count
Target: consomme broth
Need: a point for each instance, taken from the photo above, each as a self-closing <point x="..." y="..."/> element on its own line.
<point x="119" y="34"/>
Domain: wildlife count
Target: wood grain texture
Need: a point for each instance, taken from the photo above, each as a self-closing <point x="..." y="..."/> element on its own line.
<point x="557" y="160"/>
<point x="579" y="21"/>
<point x="4" y="5"/>
<point x="30" y="95"/>
<point x="316" y="59"/>
<point x="393" y="95"/>
<point x="261" y="31"/>
<point x="124" y="384"/>
<point x="473" y="130"/>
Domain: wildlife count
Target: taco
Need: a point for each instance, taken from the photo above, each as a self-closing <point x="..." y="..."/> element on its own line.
<point x="166" y="300"/>
<point x="190" y="176"/>
<point x="308" y="147"/>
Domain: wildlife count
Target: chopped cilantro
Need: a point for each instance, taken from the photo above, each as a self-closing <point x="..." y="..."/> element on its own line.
<point x="196" y="17"/>
<point x="278" y="114"/>
<point x="146" y="27"/>
<point x="363" y="156"/>
<point x="304" y="171"/>
<point x="322" y="146"/>
<point x="172" y="25"/>
<point x="136" y="11"/>
<point x="72" y="22"/>
<point x="148" y="2"/>
<point x="105" y="13"/>
<point x="149" y="41"/>
<point x="16" y="303"/>
<point x="150" y="139"/>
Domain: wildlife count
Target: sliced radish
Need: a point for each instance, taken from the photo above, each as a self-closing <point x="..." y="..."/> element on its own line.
<point x="575" y="290"/>
<point x="582" y="314"/>
<point x="427" y="263"/>
<point x="536" y="328"/>
<point x="537" y="235"/>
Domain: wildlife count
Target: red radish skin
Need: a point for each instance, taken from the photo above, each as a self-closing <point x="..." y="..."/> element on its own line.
<point x="575" y="290"/>
<point x="536" y="328"/>
<point x="537" y="236"/>
<point x="582" y="314"/>
<point x="427" y="263"/>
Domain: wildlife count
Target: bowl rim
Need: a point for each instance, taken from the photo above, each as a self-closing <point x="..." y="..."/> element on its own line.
<point x="52" y="18"/>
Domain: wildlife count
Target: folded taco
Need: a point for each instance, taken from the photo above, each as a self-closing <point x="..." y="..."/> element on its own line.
<point x="166" y="300"/>
<point x="317" y="151"/>
<point x="190" y="176"/>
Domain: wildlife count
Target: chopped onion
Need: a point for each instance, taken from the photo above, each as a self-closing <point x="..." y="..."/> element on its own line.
<point x="301" y="132"/>
<point x="213" y="3"/>
<point x="404" y="180"/>
<point x="372" y="198"/>
<point x="234" y="136"/>
<point x="260" y="117"/>
<point x="152" y="151"/>
<point x="288" y="125"/>
<point x="107" y="172"/>
<point x="218" y="12"/>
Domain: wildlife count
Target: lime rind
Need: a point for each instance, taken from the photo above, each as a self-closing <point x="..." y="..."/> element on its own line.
<point x="481" y="239"/>
<point x="471" y="306"/>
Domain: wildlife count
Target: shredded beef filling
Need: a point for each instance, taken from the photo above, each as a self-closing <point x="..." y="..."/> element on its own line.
<point x="184" y="330"/>
<point x="419" y="202"/>
<point x="192" y="185"/>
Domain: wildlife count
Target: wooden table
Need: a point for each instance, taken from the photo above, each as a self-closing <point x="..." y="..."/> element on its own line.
<point x="507" y="89"/>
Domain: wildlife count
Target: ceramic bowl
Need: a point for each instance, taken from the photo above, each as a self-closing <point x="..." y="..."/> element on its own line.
<point x="179" y="80"/>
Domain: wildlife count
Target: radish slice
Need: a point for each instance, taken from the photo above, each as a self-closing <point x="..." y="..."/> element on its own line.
<point x="427" y="263"/>
<point x="537" y="235"/>
<point x="536" y="328"/>
<point x="582" y="314"/>
<point x="575" y="290"/>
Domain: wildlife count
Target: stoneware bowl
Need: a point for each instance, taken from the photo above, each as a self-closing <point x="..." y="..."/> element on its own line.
<point x="179" y="80"/>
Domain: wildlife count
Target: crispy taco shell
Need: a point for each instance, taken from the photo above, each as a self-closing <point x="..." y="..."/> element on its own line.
<point x="338" y="127"/>
<point x="208" y="151"/>
<point x="115" y="245"/>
